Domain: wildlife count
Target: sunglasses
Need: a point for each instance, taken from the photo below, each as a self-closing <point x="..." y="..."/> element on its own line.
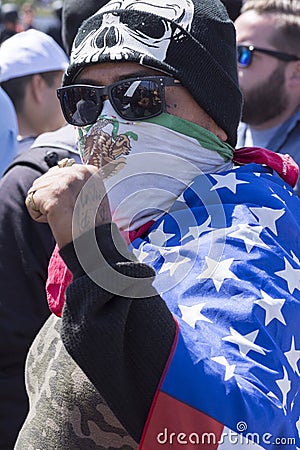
<point x="137" y="98"/>
<point x="245" y="53"/>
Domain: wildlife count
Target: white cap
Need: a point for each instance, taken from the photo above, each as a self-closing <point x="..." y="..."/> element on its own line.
<point x="30" y="52"/>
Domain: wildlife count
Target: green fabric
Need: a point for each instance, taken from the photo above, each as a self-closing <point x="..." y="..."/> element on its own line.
<point x="205" y="138"/>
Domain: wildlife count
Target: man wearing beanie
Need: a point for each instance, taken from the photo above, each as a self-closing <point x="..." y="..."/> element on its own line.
<point x="176" y="288"/>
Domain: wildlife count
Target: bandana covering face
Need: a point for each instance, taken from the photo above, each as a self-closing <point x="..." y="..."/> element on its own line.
<point x="139" y="161"/>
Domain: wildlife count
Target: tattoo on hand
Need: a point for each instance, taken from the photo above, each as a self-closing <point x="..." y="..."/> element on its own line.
<point x="92" y="208"/>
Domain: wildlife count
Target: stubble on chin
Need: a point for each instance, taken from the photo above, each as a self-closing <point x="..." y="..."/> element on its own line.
<point x="266" y="100"/>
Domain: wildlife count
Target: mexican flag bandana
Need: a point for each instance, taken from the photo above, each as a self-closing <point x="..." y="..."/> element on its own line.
<point x="146" y="165"/>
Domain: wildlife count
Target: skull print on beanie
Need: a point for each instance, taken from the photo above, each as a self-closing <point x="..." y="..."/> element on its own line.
<point x="74" y="12"/>
<point x="192" y="40"/>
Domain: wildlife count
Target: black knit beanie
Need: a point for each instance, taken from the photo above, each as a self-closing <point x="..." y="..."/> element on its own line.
<point x="193" y="40"/>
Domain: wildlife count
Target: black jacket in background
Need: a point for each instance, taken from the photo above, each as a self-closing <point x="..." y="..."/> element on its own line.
<point x="25" y="250"/>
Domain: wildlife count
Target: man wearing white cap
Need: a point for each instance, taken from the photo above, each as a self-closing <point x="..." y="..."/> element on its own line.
<point x="31" y="66"/>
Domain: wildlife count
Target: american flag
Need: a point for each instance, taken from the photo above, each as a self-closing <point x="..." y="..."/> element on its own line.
<point x="227" y="263"/>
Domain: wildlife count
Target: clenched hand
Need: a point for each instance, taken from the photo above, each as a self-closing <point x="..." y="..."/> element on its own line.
<point x="72" y="200"/>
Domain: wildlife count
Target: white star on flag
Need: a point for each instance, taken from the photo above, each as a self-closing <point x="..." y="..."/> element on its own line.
<point x="244" y="342"/>
<point x="218" y="271"/>
<point x="159" y="237"/>
<point x="191" y="314"/>
<point x="229" y="368"/>
<point x="173" y="266"/>
<point x="272" y="306"/>
<point x="250" y="236"/>
<point x="140" y="254"/>
<point x="293" y="356"/>
<point x="290" y="275"/>
<point x="228" y="181"/>
<point x="196" y="231"/>
<point x="284" y="385"/>
<point x="268" y="216"/>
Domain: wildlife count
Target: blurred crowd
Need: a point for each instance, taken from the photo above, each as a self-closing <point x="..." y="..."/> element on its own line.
<point x="45" y="17"/>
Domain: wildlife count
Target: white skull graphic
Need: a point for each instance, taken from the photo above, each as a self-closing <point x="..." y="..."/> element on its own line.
<point x="116" y="38"/>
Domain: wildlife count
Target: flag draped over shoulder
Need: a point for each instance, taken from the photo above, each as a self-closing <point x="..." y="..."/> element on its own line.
<point x="227" y="263"/>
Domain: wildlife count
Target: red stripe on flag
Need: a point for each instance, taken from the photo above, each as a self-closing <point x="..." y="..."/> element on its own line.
<point x="174" y="425"/>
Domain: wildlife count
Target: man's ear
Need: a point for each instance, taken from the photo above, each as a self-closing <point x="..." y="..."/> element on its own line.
<point x="293" y="74"/>
<point x="37" y="86"/>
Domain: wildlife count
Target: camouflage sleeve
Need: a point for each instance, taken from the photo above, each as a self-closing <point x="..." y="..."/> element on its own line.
<point x="119" y="339"/>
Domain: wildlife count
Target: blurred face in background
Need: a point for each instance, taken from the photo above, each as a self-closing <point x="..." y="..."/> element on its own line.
<point x="264" y="82"/>
<point x="27" y="15"/>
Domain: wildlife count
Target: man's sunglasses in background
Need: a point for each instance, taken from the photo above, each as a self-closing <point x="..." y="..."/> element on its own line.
<point x="245" y="53"/>
<point x="133" y="99"/>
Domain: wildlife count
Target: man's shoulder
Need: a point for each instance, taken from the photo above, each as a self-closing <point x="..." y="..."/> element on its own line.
<point x="287" y="136"/>
<point x="39" y="159"/>
<point x="292" y="123"/>
<point x="64" y="138"/>
<point x="47" y="149"/>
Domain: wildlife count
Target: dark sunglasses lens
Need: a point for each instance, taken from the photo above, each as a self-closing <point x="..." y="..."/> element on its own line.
<point x="138" y="99"/>
<point x="244" y="56"/>
<point x="81" y="105"/>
